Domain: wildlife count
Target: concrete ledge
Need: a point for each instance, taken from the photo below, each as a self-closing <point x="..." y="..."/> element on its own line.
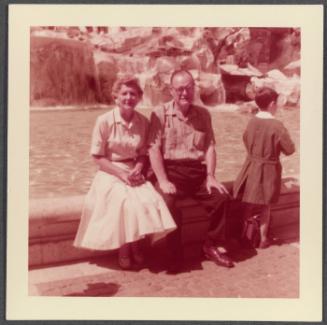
<point x="52" y="227"/>
<point x="53" y="224"/>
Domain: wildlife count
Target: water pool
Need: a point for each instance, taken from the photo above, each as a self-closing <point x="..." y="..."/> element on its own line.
<point x="60" y="164"/>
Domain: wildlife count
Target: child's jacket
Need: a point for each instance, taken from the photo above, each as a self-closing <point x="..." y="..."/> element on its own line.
<point x="259" y="181"/>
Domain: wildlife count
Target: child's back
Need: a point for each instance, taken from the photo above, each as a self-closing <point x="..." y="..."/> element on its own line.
<point x="266" y="138"/>
<point x="259" y="181"/>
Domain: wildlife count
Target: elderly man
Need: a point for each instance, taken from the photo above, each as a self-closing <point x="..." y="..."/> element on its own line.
<point x="183" y="158"/>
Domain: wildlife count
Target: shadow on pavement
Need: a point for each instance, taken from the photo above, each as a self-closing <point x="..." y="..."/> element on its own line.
<point x="97" y="289"/>
<point x="158" y="265"/>
<point x="110" y="262"/>
<point x="239" y="252"/>
<point x="157" y="258"/>
<point x="156" y="261"/>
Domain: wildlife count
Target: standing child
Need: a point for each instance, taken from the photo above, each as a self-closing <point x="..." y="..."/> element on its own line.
<point x="259" y="181"/>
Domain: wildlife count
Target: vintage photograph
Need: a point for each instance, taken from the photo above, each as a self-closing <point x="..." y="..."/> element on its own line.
<point x="164" y="161"/>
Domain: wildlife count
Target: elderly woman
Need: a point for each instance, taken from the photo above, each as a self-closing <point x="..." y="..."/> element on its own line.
<point x="121" y="207"/>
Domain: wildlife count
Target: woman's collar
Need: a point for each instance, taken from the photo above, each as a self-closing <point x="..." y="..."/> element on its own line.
<point x="119" y="118"/>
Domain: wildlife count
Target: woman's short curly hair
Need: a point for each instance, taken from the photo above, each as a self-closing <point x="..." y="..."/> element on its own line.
<point x="127" y="80"/>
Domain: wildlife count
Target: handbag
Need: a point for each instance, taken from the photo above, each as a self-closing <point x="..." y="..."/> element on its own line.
<point x="251" y="231"/>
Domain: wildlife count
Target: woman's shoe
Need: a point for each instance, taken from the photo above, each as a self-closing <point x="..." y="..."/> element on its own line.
<point x="136" y="250"/>
<point x="125" y="262"/>
<point x="138" y="258"/>
<point x="124" y="259"/>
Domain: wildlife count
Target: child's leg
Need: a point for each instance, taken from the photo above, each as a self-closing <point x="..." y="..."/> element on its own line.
<point x="248" y="210"/>
<point x="264" y="223"/>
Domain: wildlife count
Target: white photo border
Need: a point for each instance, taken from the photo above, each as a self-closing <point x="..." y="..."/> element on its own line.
<point x="309" y="306"/>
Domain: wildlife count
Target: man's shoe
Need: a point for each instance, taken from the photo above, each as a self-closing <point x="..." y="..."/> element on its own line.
<point x="212" y="254"/>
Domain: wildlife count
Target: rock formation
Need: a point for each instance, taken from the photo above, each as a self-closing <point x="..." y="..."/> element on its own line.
<point x="62" y="72"/>
<point x="78" y="65"/>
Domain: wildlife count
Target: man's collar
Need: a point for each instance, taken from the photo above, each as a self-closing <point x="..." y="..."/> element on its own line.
<point x="170" y="109"/>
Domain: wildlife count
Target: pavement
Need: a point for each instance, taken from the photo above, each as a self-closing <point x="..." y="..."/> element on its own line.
<point x="268" y="273"/>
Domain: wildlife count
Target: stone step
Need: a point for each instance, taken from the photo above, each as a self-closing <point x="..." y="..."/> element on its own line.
<point x="53" y="224"/>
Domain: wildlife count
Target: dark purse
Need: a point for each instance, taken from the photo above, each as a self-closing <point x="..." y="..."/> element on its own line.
<point x="251" y="231"/>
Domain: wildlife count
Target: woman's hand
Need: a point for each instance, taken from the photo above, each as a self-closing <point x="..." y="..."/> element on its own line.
<point x="131" y="178"/>
<point x="136" y="177"/>
<point x="136" y="171"/>
<point x="124" y="176"/>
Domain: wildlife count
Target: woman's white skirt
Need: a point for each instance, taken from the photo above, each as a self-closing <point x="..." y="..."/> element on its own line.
<point x="115" y="214"/>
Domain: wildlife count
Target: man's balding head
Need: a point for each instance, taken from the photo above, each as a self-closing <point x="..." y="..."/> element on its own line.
<point x="181" y="74"/>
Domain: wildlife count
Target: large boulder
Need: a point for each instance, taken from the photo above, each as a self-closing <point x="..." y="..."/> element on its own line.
<point x="156" y="80"/>
<point x="204" y="58"/>
<point x="125" y="40"/>
<point x="288" y="89"/>
<point x="237" y="80"/>
<point x="210" y="89"/>
<point x="293" y="69"/>
<point x="156" y="89"/>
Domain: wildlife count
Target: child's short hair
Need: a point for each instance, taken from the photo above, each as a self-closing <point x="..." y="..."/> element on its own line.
<point x="264" y="97"/>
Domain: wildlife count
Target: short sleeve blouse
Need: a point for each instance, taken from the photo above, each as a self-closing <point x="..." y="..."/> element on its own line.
<point x="117" y="139"/>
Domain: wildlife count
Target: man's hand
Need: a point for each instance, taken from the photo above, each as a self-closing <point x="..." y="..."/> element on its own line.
<point x="167" y="187"/>
<point x="212" y="183"/>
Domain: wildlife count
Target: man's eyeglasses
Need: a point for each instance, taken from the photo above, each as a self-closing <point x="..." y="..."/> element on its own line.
<point x="180" y="90"/>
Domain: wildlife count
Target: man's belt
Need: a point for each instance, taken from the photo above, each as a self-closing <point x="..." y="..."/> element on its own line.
<point x="183" y="162"/>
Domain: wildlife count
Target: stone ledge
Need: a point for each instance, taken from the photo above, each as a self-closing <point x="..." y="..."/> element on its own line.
<point x="53" y="224"/>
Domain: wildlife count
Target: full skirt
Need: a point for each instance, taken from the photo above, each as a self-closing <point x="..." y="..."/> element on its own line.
<point x="115" y="214"/>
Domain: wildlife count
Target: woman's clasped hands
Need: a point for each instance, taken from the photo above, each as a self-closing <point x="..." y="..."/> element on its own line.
<point x="134" y="177"/>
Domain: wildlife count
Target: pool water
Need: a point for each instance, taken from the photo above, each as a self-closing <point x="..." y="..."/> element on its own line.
<point x="60" y="164"/>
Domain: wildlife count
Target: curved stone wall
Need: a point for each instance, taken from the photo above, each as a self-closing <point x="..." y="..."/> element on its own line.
<point x="53" y="224"/>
